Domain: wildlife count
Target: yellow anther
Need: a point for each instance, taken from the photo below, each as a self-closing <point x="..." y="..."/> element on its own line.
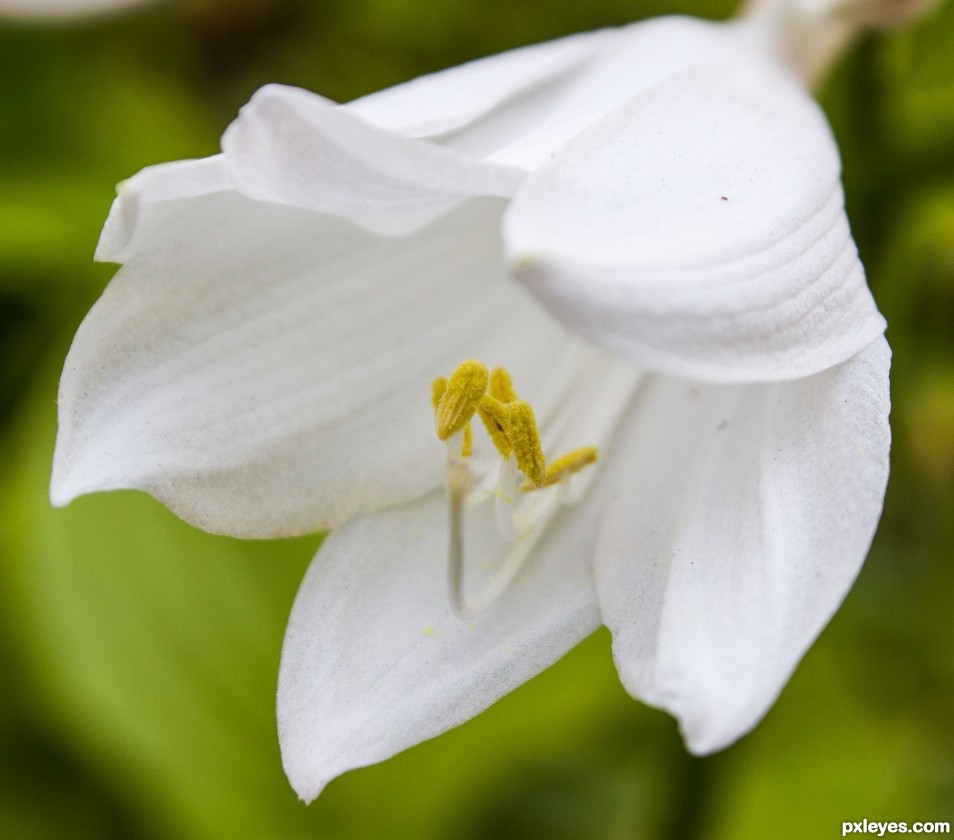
<point x="525" y="440"/>
<point x="565" y="466"/>
<point x="501" y="386"/>
<point x="460" y="398"/>
<point x="438" y="386"/>
<point x="496" y="417"/>
<point x="512" y="428"/>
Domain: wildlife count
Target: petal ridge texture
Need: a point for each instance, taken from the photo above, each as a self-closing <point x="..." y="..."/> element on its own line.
<point x="374" y="661"/>
<point x="759" y="503"/>
<point x="700" y="230"/>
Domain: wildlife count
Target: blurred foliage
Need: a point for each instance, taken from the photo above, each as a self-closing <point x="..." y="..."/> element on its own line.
<point x="140" y="655"/>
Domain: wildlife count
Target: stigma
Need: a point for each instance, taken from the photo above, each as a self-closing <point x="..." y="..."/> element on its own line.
<point x="512" y="430"/>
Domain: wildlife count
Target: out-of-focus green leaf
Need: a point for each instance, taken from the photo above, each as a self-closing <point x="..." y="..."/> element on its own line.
<point x="931" y="413"/>
<point x="76" y="121"/>
<point x="156" y="648"/>
<point x="919" y="89"/>
<point x="916" y="277"/>
<point x="831" y="753"/>
<point x="46" y="223"/>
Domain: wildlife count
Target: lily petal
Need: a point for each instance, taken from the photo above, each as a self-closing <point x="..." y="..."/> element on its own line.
<point x="159" y="188"/>
<point x="640" y="57"/>
<point x="289" y="146"/>
<point x="744" y="515"/>
<point x="452" y="99"/>
<point x="518" y="107"/>
<point x="263" y="370"/>
<point x="374" y="660"/>
<point x="700" y="230"/>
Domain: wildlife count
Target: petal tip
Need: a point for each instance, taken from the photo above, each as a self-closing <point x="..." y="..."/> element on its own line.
<point x="60" y="498"/>
<point x="307" y="793"/>
<point x="701" y="741"/>
<point x="61" y="491"/>
<point x="302" y="771"/>
<point x="118" y="230"/>
<point x="64" y="486"/>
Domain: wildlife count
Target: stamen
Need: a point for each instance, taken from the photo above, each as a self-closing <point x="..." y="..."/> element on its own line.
<point x="564" y="466"/>
<point x="525" y="440"/>
<point x="460" y="444"/>
<point x="438" y="387"/>
<point x="496" y="417"/>
<point x="458" y="402"/>
<point x="512" y="428"/>
<point x="458" y="479"/>
<point x="505" y="497"/>
<point x="501" y="386"/>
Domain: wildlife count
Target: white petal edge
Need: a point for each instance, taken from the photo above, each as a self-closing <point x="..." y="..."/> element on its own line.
<point x="265" y="371"/>
<point x="454" y="98"/>
<point x="374" y="661"/>
<point x="520" y="106"/>
<point x="700" y="230"/>
<point x="158" y="187"/>
<point x="289" y="146"/>
<point x="743" y="516"/>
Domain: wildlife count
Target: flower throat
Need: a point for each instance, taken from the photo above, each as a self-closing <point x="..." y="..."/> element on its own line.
<point x="512" y="428"/>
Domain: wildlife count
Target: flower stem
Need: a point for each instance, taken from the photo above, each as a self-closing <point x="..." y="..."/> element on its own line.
<point x="690" y="806"/>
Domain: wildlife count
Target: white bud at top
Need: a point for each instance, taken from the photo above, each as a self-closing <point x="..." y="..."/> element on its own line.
<point x="809" y="35"/>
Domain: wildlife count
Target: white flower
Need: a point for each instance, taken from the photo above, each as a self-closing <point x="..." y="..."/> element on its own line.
<point x="688" y="300"/>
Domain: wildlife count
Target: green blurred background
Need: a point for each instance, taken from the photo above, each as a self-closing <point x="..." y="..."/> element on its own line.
<point x="139" y="655"/>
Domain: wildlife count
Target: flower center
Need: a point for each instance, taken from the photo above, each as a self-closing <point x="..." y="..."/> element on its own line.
<point x="512" y="428"/>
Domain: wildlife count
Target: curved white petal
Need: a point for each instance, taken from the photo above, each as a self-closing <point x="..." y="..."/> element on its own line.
<point x="454" y="98"/>
<point x="743" y="516"/>
<point x="518" y="107"/>
<point x="374" y="661"/>
<point x="700" y="230"/>
<point x="263" y="370"/>
<point x="131" y="227"/>
<point x="289" y="146"/>
<point x="637" y="59"/>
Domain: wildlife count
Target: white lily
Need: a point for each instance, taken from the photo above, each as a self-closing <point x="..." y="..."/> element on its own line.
<point x="688" y="300"/>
